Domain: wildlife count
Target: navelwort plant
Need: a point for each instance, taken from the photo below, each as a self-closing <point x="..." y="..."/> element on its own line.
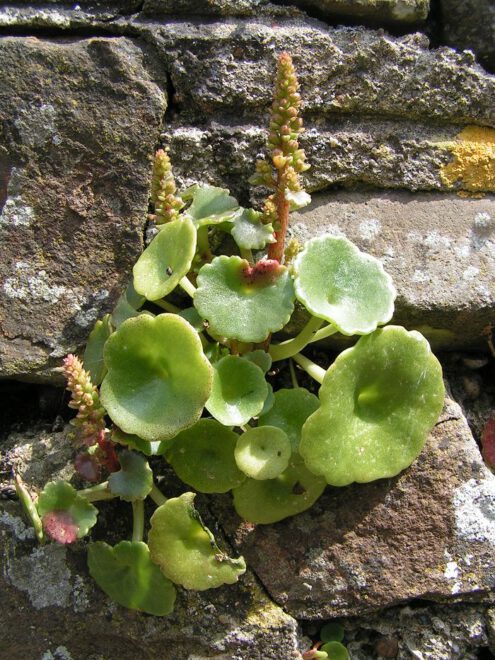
<point x="187" y="383"/>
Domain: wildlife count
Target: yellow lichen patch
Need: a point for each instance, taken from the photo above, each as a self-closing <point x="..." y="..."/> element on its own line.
<point x="473" y="165"/>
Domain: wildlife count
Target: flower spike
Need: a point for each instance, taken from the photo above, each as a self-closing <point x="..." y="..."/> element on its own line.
<point x="90" y="418"/>
<point x="167" y="204"/>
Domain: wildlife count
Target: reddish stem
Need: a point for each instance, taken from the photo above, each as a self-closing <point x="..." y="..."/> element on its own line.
<point x="276" y="250"/>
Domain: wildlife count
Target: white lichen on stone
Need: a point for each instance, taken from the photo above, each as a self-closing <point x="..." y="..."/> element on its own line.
<point x="482" y="220"/>
<point x="37" y="125"/>
<point x="471" y="273"/>
<point x="474" y="506"/>
<point x="369" y="229"/>
<point x="34" y="286"/>
<point x="60" y="653"/>
<point x="420" y="277"/>
<point x="44" y="575"/>
<point x="16" y="213"/>
<point x="435" y="241"/>
<point x="20" y="530"/>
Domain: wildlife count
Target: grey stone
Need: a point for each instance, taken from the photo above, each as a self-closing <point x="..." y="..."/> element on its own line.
<point x="380" y="11"/>
<point x="470" y="24"/>
<point x="428" y="533"/>
<point x="46" y="592"/>
<point x="80" y="119"/>
<point x="385" y="154"/>
<point x="240" y="8"/>
<point x="438" y="248"/>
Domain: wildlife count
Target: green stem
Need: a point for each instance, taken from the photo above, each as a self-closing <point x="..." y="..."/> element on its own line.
<point x="327" y="331"/>
<point x="188" y="286"/>
<point x="137" y="521"/>
<point x="247" y="254"/>
<point x="293" y="375"/>
<point x="203" y="244"/>
<point x="316" y="372"/>
<point x="292" y="346"/>
<point x="96" y="493"/>
<point x="29" y="507"/>
<point x="157" y="496"/>
<point x="167" y="306"/>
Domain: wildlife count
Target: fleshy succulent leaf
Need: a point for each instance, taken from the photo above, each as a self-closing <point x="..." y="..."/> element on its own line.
<point x="186" y="550"/>
<point x="249" y="232"/>
<point x="191" y="315"/>
<point x="298" y="199"/>
<point x="153" y="448"/>
<point x="135" y="478"/>
<point x="158" y="378"/>
<point x="335" y="651"/>
<point x="166" y="260"/>
<point x="203" y="457"/>
<point x="332" y="632"/>
<point x="379" y="400"/>
<point x="238" y="392"/>
<point x="66" y="516"/>
<point x="293" y="491"/>
<point x="93" y="355"/>
<point x="337" y="282"/>
<point x="244" y="302"/>
<point x="126" y="573"/>
<point x="263" y="452"/>
<point x="269" y="401"/>
<point x="290" y="410"/>
<point x="210" y="205"/>
<point x="260" y="358"/>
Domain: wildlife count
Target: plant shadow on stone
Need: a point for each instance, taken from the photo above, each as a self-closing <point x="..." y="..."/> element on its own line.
<point x="189" y="383"/>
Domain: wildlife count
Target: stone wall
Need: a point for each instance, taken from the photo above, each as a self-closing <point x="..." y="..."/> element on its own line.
<point x="401" y="137"/>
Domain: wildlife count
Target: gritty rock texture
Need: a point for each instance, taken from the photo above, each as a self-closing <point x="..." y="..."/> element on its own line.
<point x="428" y="533"/>
<point x="46" y="591"/>
<point x="79" y="118"/>
<point x="382" y="11"/>
<point x="240" y="8"/>
<point x="438" y="248"/>
<point x="471" y="24"/>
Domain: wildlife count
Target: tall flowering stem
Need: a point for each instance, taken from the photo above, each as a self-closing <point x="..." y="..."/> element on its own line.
<point x="90" y="418"/>
<point x="287" y="159"/>
<point x="163" y="190"/>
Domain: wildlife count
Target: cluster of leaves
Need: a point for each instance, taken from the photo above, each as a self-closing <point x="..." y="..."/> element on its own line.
<point x="330" y="646"/>
<point x="188" y="382"/>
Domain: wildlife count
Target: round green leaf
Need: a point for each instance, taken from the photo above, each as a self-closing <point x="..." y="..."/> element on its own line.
<point x="191" y="315"/>
<point x="249" y="232"/>
<point x="379" y="400"/>
<point x="134" y="480"/>
<point x="186" y="550"/>
<point x="263" y="452"/>
<point x="210" y="205"/>
<point x="93" y="355"/>
<point x="158" y="378"/>
<point x="66" y="516"/>
<point x="244" y="302"/>
<point x="292" y="492"/>
<point x="259" y="357"/>
<point x="239" y="391"/>
<point x="332" y="632"/>
<point x="127" y="574"/>
<point x="203" y="457"/>
<point x="166" y="259"/>
<point x="335" y="651"/>
<point x="290" y="410"/>
<point x="269" y="401"/>
<point x="348" y="288"/>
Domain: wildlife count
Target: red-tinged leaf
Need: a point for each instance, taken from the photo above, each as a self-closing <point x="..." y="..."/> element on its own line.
<point x="60" y="526"/>
<point x="488" y="443"/>
<point x="107" y="455"/>
<point x="87" y="466"/>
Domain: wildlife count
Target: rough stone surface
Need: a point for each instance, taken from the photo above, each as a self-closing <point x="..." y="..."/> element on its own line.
<point x="438" y="248"/>
<point x="228" y="66"/>
<point x="428" y="533"/>
<point x="381" y="11"/>
<point x="470" y="24"/>
<point x="344" y="152"/>
<point x="79" y="118"/>
<point x="433" y="632"/>
<point x="46" y="591"/>
<point x="241" y="8"/>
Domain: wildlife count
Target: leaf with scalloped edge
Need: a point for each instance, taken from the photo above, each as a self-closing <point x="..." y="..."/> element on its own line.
<point x="93" y="354"/>
<point x="379" y="400"/>
<point x="249" y="232"/>
<point x="259" y="357"/>
<point x="166" y="260"/>
<point x="244" y="302"/>
<point x="158" y="377"/>
<point x="239" y="391"/>
<point x="66" y="516"/>
<point x="134" y="480"/>
<point x="126" y="573"/>
<point x="210" y="205"/>
<point x="293" y="491"/>
<point x="186" y="550"/>
<point x="337" y="282"/>
<point x="203" y="457"/>
<point x="263" y="452"/>
<point x="290" y="410"/>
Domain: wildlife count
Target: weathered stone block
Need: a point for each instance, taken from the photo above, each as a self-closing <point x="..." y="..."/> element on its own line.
<point x="470" y="24"/>
<point x="80" y="119"/>
<point x="427" y="533"/>
<point x="379" y="11"/>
